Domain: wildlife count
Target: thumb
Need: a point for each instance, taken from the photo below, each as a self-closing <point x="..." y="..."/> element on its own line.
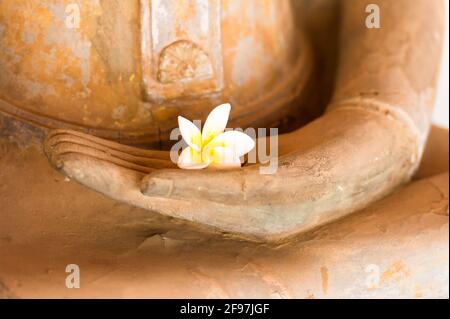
<point x="215" y="185"/>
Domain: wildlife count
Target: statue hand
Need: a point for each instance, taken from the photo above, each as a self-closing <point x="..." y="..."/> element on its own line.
<point x="335" y="165"/>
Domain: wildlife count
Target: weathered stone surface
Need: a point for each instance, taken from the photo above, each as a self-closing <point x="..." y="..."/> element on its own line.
<point x="47" y="222"/>
<point x="367" y="144"/>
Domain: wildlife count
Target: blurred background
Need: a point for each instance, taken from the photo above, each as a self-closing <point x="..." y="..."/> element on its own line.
<point x="440" y="114"/>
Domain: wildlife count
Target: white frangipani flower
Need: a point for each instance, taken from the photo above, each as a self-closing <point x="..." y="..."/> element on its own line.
<point x="213" y="146"/>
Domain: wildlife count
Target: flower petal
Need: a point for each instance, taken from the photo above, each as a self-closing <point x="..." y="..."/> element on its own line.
<point x="221" y="157"/>
<point x="216" y="122"/>
<point x="191" y="159"/>
<point x="190" y="133"/>
<point x="240" y="143"/>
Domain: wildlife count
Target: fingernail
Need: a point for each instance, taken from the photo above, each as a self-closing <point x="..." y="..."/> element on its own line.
<point x="157" y="187"/>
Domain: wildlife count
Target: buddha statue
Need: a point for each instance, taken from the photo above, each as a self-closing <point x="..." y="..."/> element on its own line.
<point x="96" y="88"/>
